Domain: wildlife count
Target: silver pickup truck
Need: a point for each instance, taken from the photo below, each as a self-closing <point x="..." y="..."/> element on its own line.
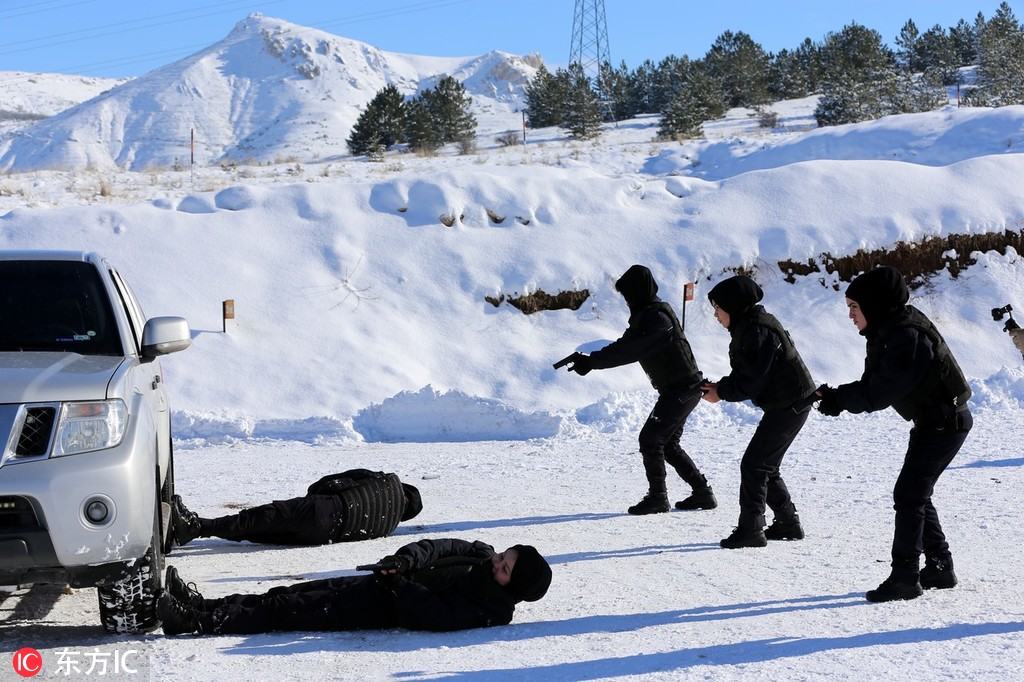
<point x="86" y="467"/>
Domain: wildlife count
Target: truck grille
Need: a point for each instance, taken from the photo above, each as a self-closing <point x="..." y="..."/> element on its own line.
<point x="35" y="433"/>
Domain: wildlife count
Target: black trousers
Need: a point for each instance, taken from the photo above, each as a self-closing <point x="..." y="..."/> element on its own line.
<point x="761" y="483"/>
<point x="918" y="530"/>
<point x="346" y="603"/>
<point x="660" y="435"/>
<point x="309" y="520"/>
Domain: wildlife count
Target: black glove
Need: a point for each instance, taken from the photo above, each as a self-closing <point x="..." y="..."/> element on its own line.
<point x="398" y="563"/>
<point x="829" y="405"/>
<point x="382" y="569"/>
<point x="581" y="365"/>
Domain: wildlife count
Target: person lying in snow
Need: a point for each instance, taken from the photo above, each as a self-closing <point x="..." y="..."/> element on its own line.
<point x="354" y="505"/>
<point x="439" y="585"/>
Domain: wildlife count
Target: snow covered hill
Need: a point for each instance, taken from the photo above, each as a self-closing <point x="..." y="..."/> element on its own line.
<point x="29" y="97"/>
<point x="270" y="91"/>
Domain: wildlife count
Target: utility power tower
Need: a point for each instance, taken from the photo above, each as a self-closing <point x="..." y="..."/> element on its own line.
<point x="589" y="46"/>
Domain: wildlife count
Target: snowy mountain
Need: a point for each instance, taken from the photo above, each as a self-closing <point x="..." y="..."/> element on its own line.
<point x="29" y="97"/>
<point x="269" y="91"/>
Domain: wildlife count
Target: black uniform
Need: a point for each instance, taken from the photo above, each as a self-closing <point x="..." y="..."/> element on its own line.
<point x="358" y="504"/>
<point x="448" y="585"/>
<point x="655" y="339"/>
<point x="909" y="367"/>
<point x="768" y="371"/>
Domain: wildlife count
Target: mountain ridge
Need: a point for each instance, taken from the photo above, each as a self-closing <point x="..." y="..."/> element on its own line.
<point x="268" y="91"/>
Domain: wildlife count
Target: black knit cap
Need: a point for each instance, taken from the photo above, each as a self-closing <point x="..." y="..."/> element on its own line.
<point x="413" y="502"/>
<point x="736" y="295"/>
<point x="531" y="574"/>
<point x="879" y="292"/>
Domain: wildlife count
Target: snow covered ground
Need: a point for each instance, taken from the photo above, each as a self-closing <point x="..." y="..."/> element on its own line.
<point x="363" y="339"/>
<point x="632" y="597"/>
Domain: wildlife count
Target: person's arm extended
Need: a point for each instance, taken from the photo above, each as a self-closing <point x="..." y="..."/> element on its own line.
<point x="652" y="332"/>
<point x="904" y="362"/>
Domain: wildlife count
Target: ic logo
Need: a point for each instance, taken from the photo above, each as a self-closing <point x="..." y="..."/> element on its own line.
<point x="27" y="662"/>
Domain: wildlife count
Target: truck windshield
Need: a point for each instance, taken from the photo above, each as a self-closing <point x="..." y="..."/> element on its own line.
<point x="55" y="306"/>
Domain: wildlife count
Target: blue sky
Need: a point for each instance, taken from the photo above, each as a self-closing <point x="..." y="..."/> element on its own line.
<point x="130" y="37"/>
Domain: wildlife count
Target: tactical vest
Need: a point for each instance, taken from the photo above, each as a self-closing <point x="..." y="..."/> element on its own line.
<point x="373" y="509"/>
<point x="943" y="385"/>
<point x="675" y="362"/>
<point x="789" y="380"/>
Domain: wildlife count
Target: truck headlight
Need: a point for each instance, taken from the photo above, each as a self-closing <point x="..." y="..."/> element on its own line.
<point x="88" y="426"/>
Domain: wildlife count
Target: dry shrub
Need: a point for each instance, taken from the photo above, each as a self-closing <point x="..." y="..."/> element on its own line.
<point x="916" y="260"/>
<point x="509" y="138"/>
<point x="539" y="300"/>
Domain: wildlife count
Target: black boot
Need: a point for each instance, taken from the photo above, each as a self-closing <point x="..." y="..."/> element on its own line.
<point x="744" y="537"/>
<point x="184" y="523"/>
<point x="178" y="617"/>
<point x="938" y="574"/>
<point x="185" y="593"/>
<point x="785" y="529"/>
<point x="701" y="498"/>
<point x="653" y="503"/>
<point x="902" y="584"/>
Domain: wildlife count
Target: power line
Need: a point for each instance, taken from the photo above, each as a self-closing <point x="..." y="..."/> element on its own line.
<point x="153" y="20"/>
<point x="4" y="13"/>
<point x="160" y="20"/>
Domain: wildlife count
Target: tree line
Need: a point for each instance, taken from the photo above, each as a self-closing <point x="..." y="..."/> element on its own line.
<point x="426" y="121"/>
<point x="856" y="75"/>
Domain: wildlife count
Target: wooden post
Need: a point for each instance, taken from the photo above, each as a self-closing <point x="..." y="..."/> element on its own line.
<point x="228" y="309"/>
<point x="687" y="296"/>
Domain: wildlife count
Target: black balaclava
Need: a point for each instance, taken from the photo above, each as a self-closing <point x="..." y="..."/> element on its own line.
<point x="413" y="502"/>
<point x="637" y="286"/>
<point x="879" y="292"/>
<point x="531" y="576"/>
<point x="736" y="295"/>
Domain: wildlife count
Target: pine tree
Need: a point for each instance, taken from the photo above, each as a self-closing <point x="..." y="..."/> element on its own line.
<point x="582" y="117"/>
<point x="641" y="88"/>
<point x="964" y="42"/>
<point x="1000" y="80"/>
<point x="545" y="100"/>
<point x="672" y="74"/>
<point x="858" y="77"/>
<point x="421" y="132"/>
<point x="741" y="65"/>
<point x="449" y="107"/>
<point x="381" y="124"/>
<point x="793" y="74"/>
<point x="697" y="100"/>
<point x="908" y="57"/>
<point x="616" y="88"/>
<point x="939" y="60"/>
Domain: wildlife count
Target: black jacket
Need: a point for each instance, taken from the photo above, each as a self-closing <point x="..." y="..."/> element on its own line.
<point x="375" y="503"/>
<point x="910" y="368"/>
<point x="766" y="368"/>
<point x="448" y="586"/>
<point x="654" y="337"/>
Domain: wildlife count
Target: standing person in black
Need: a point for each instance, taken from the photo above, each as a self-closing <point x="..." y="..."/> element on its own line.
<point x="439" y="585"/>
<point x="655" y="339"/>
<point x="768" y="371"/>
<point x="357" y="504"/>
<point x="910" y="368"/>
